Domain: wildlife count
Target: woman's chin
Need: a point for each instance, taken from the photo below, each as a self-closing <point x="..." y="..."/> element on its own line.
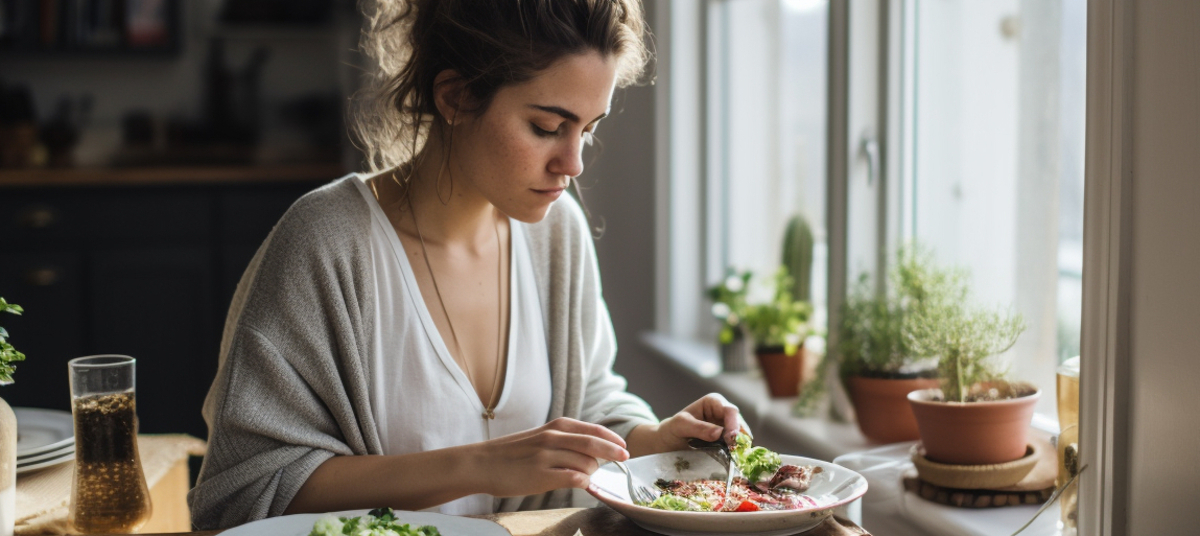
<point x="530" y="214"/>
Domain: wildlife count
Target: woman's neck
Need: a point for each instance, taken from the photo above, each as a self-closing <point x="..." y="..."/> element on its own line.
<point x="447" y="209"/>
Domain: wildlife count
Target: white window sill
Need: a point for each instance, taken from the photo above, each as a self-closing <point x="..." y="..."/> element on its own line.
<point x="887" y="510"/>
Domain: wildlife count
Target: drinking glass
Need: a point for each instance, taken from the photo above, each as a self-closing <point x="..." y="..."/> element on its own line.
<point x="1068" y="443"/>
<point x="109" y="493"/>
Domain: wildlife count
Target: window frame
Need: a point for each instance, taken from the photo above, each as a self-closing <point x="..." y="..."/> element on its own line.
<point x="1104" y="386"/>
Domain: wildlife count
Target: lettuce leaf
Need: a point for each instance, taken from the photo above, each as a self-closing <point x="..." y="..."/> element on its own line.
<point x="756" y="463"/>
<point x="674" y="503"/>
<point x="379" y="522"/>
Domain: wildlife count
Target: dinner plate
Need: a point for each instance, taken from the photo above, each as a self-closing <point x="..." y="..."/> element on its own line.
<point x="302" y="524"/>
<point x="42" y="464"/>
<point x="43" y="430"/>
<point x="834" y="486"/>
<point x="68" y="450"/>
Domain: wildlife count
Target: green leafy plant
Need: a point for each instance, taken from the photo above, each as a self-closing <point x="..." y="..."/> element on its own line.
<point x="8" y="354"/>
<point x="966" y="339"/>
<point x="729" y="302"/>
<point x="876" y="332"/>
<point x="781" y="322"/>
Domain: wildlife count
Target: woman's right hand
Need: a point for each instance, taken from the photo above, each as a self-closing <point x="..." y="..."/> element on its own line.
<point x="562" y="453"/>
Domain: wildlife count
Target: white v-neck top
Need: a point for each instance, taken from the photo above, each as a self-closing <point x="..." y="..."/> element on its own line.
<point x="421" y="398"/>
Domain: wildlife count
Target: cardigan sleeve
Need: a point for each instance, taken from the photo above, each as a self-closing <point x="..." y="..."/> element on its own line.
<point x="267" y="433"/>
<point x="290" y="389"/>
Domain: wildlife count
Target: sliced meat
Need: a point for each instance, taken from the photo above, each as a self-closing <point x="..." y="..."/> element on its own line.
<point x="794" y="477"/>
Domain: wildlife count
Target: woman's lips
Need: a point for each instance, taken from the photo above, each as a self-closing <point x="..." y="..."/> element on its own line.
<point x="551" y="193"/>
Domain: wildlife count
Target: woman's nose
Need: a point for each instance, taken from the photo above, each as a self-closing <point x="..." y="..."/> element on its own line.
<point x="568" y="160"/>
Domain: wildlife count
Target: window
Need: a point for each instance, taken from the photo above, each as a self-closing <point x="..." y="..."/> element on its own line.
<point x="764" y="105"/>
<point x="993" y="160"/>
<point x="964" y="130"/>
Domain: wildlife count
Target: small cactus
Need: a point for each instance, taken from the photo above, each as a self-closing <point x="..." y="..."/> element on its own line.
<point x="798" y="256"/>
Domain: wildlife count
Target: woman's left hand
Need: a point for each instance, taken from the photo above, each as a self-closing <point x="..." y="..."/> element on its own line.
<point x="705" y="419"/>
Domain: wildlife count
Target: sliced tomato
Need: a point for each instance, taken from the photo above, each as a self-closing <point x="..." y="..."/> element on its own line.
<point x="747" y="506"/>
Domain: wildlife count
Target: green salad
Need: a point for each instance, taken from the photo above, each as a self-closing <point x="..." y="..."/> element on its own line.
<point x="377" y="522"/>
<point x="755" y="463"/>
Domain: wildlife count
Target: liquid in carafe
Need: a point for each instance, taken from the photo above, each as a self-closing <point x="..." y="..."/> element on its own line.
<point x="110" y="493"/>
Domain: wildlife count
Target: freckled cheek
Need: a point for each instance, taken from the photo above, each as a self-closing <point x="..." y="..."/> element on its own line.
<point x="521" y="162"/>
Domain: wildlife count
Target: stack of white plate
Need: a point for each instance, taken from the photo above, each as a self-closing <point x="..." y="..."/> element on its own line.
<point x="45" y="437"/>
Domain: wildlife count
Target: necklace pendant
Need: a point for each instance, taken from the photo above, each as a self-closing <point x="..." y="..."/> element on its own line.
<point x="489" y="414"/>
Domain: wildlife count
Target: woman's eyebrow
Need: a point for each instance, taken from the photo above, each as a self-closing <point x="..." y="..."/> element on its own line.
<point x="566" y="114"/>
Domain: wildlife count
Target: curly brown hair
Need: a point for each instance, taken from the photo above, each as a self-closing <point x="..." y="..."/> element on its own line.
<point x="488" y="43"/>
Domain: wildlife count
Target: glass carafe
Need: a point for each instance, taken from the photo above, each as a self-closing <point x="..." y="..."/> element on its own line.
<point x="109" y="493"/>
<point x="1068" y="443"/>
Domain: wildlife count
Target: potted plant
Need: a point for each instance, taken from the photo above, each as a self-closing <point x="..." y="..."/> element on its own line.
<point x="778" y="328"/>
<point x="729" y="303"/>
<point x="8" y="428"/>
<point x="977" y="417"/>
<point x="877" y="363"/>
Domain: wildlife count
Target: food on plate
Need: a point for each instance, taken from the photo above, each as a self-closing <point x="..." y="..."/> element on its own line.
<point x="753" y="462"/>
<point x="766" y="484"/>
<point x="377" y="522"/>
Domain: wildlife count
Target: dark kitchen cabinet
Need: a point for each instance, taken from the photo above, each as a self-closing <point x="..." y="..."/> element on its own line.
<point x="156" y="304"/>
<point x="146" y="270"/>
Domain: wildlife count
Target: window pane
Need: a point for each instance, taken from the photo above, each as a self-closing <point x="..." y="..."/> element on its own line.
<point x="768" y="120"/>
<point x="998" y="161"/>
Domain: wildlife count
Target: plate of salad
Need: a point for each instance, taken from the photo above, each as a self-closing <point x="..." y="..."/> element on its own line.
<point x="377" y="522"/>
<point x="771" y="495"/>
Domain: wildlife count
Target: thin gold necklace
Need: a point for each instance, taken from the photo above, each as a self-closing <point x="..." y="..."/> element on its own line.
<point x="489" y="411"/>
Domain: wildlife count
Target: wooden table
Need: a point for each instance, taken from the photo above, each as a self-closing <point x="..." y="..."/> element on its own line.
<point x="599" y="521"/>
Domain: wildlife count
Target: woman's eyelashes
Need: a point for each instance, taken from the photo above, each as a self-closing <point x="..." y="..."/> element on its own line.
<point x="541" y="132"/>
<point x="587" y="135"/>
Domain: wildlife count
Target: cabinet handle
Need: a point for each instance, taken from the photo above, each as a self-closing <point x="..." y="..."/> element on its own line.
<point x="38" y="217"/>
<point x="42" y="277"/>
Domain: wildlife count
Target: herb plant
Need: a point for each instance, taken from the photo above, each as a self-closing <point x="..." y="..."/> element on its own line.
<point x="875" y="333"/>
<point x="781" y="322"/>
<point x="8" y="354"/>
<point x="966" y="338"/>
<point x="729" y="302"/>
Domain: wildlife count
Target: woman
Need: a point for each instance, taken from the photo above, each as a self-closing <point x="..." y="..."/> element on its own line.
<point x="433" y="335"/>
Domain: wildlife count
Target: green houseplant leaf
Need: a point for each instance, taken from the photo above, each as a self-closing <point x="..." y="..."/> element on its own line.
<point x="8" y="354"/>
<point x="729" y="302"/>
<point x="781" y="322"/>
<point x="875" y="332"/>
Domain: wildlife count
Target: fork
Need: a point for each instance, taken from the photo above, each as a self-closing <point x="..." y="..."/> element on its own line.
<point x="640" y="495"/>
<point x="719" y="451"/>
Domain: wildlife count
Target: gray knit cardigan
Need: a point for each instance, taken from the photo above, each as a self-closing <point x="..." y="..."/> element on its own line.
<point x="292" y="387"/>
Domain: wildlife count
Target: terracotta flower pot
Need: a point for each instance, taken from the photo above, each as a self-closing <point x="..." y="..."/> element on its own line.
<point x="973" y="433"/>
<point x="882" y="407"/>
<point x="783" y="372"/>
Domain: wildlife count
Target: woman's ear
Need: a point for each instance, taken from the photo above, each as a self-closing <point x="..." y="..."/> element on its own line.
<point x="450" y="95"/>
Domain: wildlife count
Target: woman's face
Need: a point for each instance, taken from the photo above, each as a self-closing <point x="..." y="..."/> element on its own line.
<point x="523" y="151"/>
